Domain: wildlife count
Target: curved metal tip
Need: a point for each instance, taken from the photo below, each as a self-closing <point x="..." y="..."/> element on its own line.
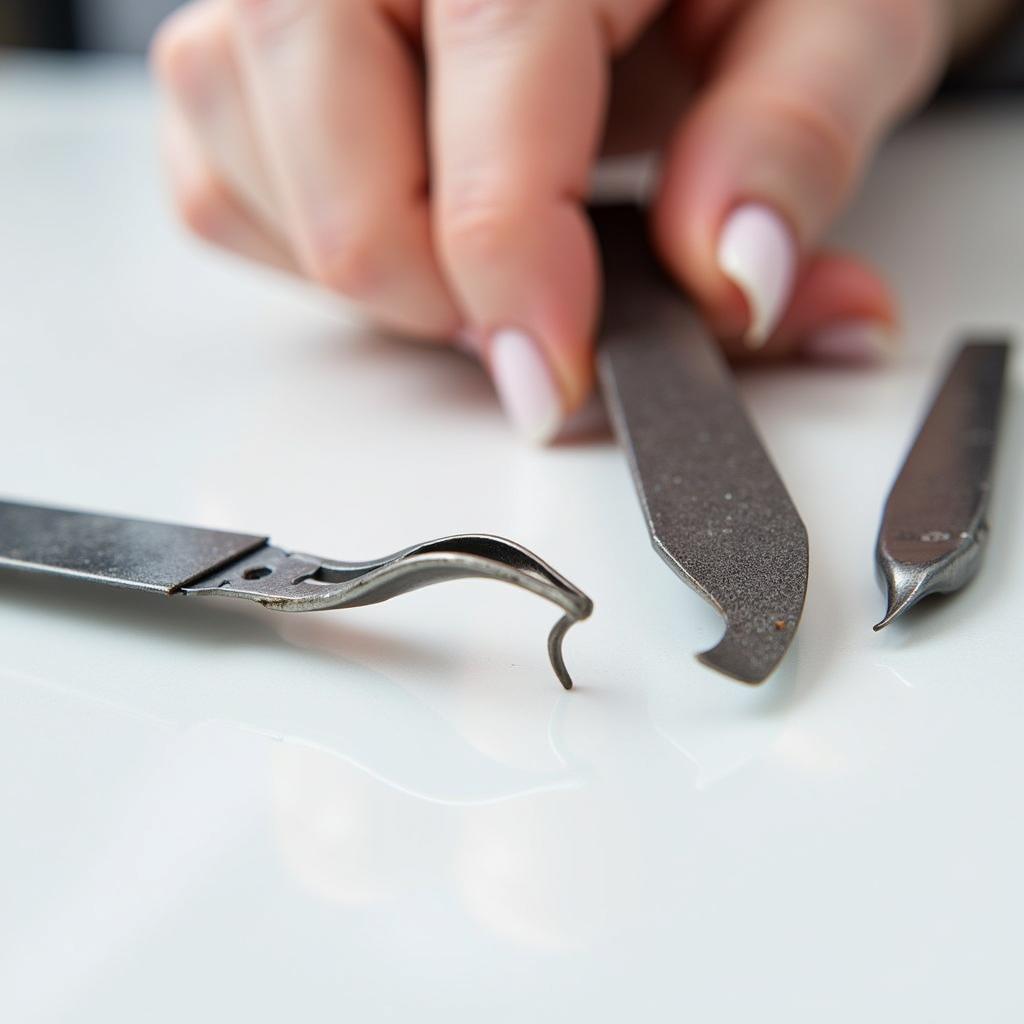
<point x="582" y="609"/>
<point x="907" y="583"/>
<point x="898" y="604"/>
<point x="303" y="583"/>
<point x="904" y="587"/>
<point x="746" y="662"/>
<point x="480" y="556"/>
<point x="755" y="641"/>
<point x="891" y="615"/>
<point x="555" y="638"/>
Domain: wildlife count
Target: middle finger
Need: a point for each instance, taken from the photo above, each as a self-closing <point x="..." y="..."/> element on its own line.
<point x="337" y="101"/>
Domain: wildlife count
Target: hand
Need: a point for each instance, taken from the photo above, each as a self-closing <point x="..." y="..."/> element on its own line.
<point x="302" y="133"/>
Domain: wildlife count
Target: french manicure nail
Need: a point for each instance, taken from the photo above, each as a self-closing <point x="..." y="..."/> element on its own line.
<point x="757" y="253"/>
<point x="525" y="385"/>
<point x="856" y="341"/>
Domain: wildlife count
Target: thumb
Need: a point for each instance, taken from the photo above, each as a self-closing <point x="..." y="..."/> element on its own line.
<point x="777" y="141"/>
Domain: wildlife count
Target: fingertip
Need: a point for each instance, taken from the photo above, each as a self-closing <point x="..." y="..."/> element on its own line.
<point x="531" y="310"/>
<point x="526" y="386"/>
<point x="851" y="342"/>
<point x="758" y="253"/>
<point x="843" y="311"/>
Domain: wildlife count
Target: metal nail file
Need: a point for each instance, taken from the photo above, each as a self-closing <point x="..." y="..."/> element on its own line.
<point x="935" y="526"/>
<point x="182" y="560"/>
<point x="717" y="510"/>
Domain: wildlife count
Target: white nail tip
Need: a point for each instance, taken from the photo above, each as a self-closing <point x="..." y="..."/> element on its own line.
<point x="757" y="253"/>
<point x="858" y="341"/>
<point x="525" y="386"/>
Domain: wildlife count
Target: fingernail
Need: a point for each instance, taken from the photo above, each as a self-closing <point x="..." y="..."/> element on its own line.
<point x="525" y="386"/>
<point x="758" y="254"/>
<point x="856" y="341"/>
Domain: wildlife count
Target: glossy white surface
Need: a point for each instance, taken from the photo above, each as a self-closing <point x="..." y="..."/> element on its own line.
<point x="216" y="814"/>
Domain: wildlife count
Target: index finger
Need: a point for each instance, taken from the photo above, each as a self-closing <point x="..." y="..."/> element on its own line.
<point x="519" y="93"/>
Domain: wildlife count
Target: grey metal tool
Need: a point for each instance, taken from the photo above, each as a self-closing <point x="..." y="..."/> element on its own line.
<point x="170" y="559"/>
<point x="717" y="510"/>
<point x="935" y="527"/>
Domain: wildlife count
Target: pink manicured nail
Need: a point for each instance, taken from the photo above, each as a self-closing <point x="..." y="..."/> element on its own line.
<point x="857" y="341"/>
<point x="758" y="254"/>
<point x="525" y="386"/>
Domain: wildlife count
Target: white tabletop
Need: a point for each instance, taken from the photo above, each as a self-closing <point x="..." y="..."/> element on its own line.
<point x="395" y="813"/>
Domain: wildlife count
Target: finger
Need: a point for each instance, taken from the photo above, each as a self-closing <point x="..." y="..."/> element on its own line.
<point x="842" y="312"/>
<point x="518" y="93"/>
<point x="337" y="103"/>
<point x="194" y="59"/>
<point x="778" y="139"/>
<point x="207" y="204"/>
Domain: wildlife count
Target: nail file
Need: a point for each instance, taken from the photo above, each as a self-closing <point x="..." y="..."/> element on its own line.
<point x="716" y="509"/>
<point x="935" y="526"/>
<point x="182" y="560"/>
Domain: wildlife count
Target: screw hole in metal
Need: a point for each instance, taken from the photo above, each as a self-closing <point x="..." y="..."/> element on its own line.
<point x="257" y="572"/>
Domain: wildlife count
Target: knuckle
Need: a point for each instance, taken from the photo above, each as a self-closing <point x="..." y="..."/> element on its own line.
<point x="822" y="132"/>
<point x="478" y="228"/>
<point x="349" y="267"/>
<point x="905" y="25"/>
<point x="203" y="207"/>
<point x="264" y="20"/>
<point x="189" y="53"/>
<point x="476" y="19"/>
<point x="174" y="51"/>
<point x="911" y="36"/>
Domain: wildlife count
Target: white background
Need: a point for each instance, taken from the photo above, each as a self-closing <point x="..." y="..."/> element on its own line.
<point x="215" y="814"/>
